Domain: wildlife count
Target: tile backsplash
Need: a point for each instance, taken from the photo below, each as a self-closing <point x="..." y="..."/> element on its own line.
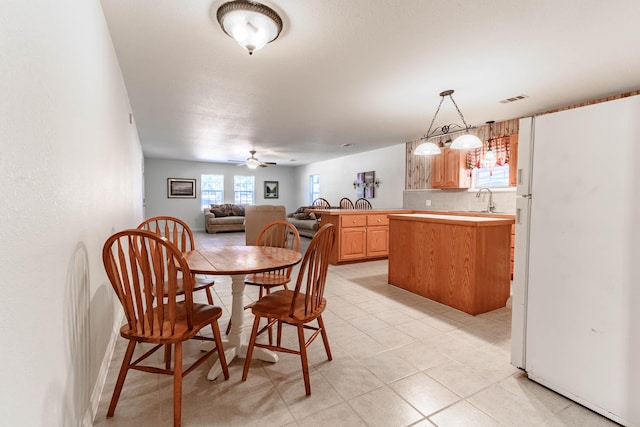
<point x="459" y="200"/>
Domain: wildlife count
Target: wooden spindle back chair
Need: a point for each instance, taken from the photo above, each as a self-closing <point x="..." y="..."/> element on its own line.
<point x="179" y="233"/>
<point x="362" y="204"/>
<point x="277" y="234"/>
<point x="298" y="307"/>
<point x="138" y="263"/>
<point x="346" y="203"/>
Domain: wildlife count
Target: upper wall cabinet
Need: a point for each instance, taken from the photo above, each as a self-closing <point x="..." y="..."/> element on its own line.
<point x="448" y="169"/>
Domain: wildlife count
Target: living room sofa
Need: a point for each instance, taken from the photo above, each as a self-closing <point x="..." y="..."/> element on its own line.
<point x="224" y="217"/>
<point x="306" y="223"/>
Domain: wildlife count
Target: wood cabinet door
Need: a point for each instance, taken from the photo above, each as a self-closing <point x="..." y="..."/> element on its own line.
<point x="456" y="174"/>
<point x="377" y="241"/>
<point x="353" y="243"/>
<point x="437" y="170"/>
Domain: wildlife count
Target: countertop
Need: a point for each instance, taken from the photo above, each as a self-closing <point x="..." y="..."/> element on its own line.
<point x="473" y="221"/>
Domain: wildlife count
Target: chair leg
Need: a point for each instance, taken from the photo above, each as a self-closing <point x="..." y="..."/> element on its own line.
<point x="209" y="295"/>
<point x="303" y="359"/>
<point x="210" y="301"/>
<point x="177" y="386"/>
<point x="325" y="338"/>
<point x="221" y="356"/>
<point x="124" y="368"/>
<point x="279" y="334"/>
<point x="167" y="356"/>
<point x="228" y="328"/>
<point x="252" y="343"/>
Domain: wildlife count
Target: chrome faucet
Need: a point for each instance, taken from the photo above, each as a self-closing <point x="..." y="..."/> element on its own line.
<point x="490" y="206"/>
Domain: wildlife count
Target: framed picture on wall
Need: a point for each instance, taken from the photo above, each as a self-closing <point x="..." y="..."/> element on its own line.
<point x="271" y="189"/>
<point x="181" y="188"/>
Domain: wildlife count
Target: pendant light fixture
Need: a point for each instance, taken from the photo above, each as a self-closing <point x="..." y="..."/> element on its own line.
<point x="465" y="141"/>
<point x="251" y="24"/>
<point x="489" y="159"/>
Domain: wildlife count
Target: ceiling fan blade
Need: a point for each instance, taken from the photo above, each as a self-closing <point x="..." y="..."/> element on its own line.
<point x="269" y="163"/>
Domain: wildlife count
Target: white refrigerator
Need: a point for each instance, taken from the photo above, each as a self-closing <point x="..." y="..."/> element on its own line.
<point x="576" y="288"/>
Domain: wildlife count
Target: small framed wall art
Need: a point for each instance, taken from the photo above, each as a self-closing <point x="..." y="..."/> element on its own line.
<point x="271" y="189"/>
<point x="181" y="188"/>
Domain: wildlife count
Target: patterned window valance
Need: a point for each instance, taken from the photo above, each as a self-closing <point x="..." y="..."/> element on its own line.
<point x="499" y="145"/>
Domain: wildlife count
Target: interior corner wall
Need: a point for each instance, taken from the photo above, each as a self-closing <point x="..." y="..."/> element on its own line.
<point x="337" y="176"/>
<point x="157" y="202"/>
<point x="71" y="167"/>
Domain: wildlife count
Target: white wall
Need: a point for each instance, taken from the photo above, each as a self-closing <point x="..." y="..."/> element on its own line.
<point x="157" y="171"/>
<point x="71" y="175"/>
<point x="337" y="176"/>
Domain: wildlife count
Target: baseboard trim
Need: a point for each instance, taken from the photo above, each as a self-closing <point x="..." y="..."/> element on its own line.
<point x="98" y="388"/>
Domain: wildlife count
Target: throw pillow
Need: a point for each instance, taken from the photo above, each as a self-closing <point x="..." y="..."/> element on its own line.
<point x="302" y="215"/>
<point x="237" y="210"/>
<point x="218" y="213"/>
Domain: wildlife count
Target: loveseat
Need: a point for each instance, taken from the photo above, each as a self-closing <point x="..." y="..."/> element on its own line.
<point x="225" y="217"/>
<point x="306" y="223"/>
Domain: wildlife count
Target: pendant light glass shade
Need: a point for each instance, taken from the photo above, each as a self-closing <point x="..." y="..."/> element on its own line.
<point x="489" y="160"/>
<point x="427" y="149"/>
<point x="251" y="24"/>
<point x="466" y="141"/>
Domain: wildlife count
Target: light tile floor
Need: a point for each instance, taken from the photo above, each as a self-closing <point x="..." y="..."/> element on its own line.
<point x="398" y="360"/>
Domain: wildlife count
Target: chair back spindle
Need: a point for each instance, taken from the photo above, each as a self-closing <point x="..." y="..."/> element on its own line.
<point x="136" y="262"/>
<point x="313" y="271"/>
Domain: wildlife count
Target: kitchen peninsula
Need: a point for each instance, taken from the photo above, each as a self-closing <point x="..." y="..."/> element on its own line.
<point x="460" y="261"/>
<point x="361" y="235"/>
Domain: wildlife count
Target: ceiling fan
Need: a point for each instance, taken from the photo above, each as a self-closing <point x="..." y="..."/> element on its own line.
<point x="252" y="162"/>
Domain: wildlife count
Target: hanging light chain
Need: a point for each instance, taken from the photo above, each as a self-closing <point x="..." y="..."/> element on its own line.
<point x="434" y="118"/>
<point x="466" y="126"/>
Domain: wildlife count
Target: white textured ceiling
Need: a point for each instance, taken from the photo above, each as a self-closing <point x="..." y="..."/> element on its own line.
<point x="360" y="72"/>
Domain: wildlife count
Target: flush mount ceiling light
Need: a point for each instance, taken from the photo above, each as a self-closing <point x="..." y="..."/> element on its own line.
<point x="251" y="24"/>
<point x="464" y="142"/>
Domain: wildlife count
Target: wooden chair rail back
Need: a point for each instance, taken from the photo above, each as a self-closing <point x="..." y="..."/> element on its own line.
<point x="313" y="271"/>
<point x="173" y="229"/>
<point x="362" y="204"/>
<point x="279" y="234"/>
<point x="321" y="203"/>
<point x="346" y="203"/>
<point x="137" y="262"/>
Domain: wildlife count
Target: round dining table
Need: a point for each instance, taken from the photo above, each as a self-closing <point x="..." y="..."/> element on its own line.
<point x="238" y="261"/>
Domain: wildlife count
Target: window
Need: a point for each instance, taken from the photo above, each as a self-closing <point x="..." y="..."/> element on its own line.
<point x="483" y="177"/>
<point x="211" y="190"/>
<point x="314" y="187"/>
<point x="244" y="190"/>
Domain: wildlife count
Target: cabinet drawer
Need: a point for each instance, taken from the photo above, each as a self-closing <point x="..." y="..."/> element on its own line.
<point x="353" y="221"/>
<point x="381" y="219"/>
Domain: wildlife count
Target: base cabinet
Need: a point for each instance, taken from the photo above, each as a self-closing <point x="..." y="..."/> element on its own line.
<point x="353" y="243"/>
<point x="361" y="235"/>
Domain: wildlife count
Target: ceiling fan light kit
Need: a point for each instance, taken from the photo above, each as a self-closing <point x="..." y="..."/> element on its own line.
<point x="463" y="142"/>
<point x="253" y="162"/>
<point x="251" y="24"/>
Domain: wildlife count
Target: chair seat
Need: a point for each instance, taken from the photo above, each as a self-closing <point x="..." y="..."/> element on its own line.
<point x="203" y="314"/>
<point x="198" y="284"/>
<point x="267" y="279"/>
<point x="277" y="305"/>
